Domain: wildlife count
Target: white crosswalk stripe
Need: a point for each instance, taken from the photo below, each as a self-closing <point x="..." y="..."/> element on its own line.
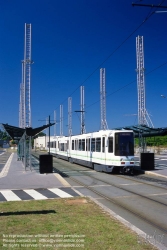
<point x="10" y="196"/>
<point x="36" y="195"/>
<point x="60" y="193"/>
<point x="13" y="195"/>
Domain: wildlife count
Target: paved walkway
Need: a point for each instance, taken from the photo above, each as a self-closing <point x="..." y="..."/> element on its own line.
<point x="157" y="172"/>
<point x="16" y="183"/>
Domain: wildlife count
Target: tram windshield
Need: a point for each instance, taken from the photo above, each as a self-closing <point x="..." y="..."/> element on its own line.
<point x="124" y="144"/>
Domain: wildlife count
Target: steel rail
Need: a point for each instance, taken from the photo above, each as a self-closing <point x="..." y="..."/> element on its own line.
<point x="112" y="200"/>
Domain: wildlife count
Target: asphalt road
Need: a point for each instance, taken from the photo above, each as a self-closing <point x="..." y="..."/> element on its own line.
<point x="3" y="158"/>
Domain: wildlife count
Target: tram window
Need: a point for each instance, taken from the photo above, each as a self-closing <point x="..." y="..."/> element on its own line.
<point x="83" y="144"/>
<point x="72" y="144"/>
<point x="93" y="145"/>
<point x="98" y="144"/>
<point x="88" y="144"/>
<point x="103" y="144"/>
<point x="80" y="145"/>
<point x="61" y="146"/>
<point x="110" y="144"/>
<point x="76" y="144"/>
<point x="124" y="144"/>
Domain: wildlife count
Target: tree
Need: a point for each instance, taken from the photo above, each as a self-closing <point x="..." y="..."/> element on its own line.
<point x="4" y="135"/>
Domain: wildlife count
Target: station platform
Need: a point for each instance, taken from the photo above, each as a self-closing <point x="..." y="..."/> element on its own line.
<point x="160" y="170"/>
<point x="15" y="176"/>
<point x="157" y="172"/>
<point x="18" y="183"/>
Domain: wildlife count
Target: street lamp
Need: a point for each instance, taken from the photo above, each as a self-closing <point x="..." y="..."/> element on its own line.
<point x="163" y="96"/>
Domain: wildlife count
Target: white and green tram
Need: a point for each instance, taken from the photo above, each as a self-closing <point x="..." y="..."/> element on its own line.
<point x="106" y="150"/>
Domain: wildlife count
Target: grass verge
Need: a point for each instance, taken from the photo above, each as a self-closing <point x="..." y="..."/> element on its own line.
<point x="63" y="224"/>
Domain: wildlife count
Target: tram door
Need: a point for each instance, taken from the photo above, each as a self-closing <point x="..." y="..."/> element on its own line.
<point x="88" y="150"/>
<point x="103" y="150"/>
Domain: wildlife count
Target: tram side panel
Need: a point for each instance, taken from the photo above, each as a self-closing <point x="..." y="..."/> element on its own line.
<point x="100" y="151"/>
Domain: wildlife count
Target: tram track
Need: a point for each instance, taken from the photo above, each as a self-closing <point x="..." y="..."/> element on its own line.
<point x="146" y="180"/>
<point x="63" y="169"/>
<point x="122" y="188"/>
<point x="115" y="202"/>
<point x="114" y="185"/>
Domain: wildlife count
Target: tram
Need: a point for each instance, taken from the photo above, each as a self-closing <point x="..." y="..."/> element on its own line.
<point x="105" y="150"/>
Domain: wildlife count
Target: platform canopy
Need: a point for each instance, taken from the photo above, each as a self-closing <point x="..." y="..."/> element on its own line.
<point x="145" y="131"/>
<point x="16" y="133"/>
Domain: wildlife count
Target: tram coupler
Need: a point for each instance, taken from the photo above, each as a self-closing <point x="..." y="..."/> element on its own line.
<point x="126" y="170"/>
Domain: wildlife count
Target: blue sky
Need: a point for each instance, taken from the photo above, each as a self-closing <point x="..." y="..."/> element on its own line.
<point x="70" y="41"/>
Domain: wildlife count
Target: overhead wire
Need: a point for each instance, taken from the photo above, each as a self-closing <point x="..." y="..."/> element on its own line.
<point x="97" y="68"/>
<point x="111" y="54"/>
<point x="126" y="85"/>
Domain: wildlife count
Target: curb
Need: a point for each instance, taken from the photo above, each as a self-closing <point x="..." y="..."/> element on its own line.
<point x="140" y="234"/>
<point x="140" y="171"/>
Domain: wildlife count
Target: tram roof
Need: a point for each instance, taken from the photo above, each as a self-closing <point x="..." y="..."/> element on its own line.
<point x="144" y="130"/>
<point x="16" y="133"/>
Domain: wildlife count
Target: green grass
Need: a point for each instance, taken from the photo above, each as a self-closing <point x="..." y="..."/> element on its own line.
<point x="64" y="220"/>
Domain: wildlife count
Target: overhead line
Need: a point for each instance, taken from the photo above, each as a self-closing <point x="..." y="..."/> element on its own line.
<point x="148" y="16"/>
<point x="129" y="84"/>
<point x="149" y="5"/>
<point x="125" y="85"/>
<point x="109" y="56"/>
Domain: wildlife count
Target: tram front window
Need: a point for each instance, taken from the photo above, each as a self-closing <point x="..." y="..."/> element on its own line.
<point x="124" y="144"/>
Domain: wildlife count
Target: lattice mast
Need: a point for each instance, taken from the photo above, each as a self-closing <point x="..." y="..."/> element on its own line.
<point x="143" y="116"/>
<point x="104" y="125"/>
<point x="22" y="101"/>
<point x="21" y="106"/>
<point x="83" y="130"/>
<point x="140" y="80"/>
<point x="55" y="122"/>
<point x="61" y="120"/>
<point x="25" y="92"/>
<point x="70" y="116"/>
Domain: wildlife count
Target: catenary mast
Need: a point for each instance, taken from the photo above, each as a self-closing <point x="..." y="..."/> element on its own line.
<point x="83" y="130"/>
<point x="140" y="80"/>
<point x="55" y="123"/>
<point x="25" y="87"/>
<point x="61" y="120"/>
<point x="143" y="116"/>
<point x="70" y="116"/>
<point x="104" y="125"/>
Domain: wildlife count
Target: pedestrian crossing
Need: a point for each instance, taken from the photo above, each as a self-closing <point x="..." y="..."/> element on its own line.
<point x="37" y="194"/>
